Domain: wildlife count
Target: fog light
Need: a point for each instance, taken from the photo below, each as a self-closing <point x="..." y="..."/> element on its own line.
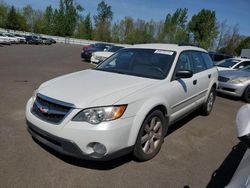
<point x="99" y="148"/>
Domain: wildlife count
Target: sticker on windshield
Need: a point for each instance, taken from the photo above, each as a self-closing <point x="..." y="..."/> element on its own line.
<point x="164" y="52"/>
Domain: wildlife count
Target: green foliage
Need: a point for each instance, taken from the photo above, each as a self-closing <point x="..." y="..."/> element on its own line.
<point x="84" y="28"/>
<point x="244" y="44"/>
<point x="175" y="27"/>
<point x="47" y="21"/>
<point x="230" y="41"/>
<point x="3" y="14"/>
<point x="12" y="19"/>
<point x="103" y="22"/>
<point x="203" y="26"/>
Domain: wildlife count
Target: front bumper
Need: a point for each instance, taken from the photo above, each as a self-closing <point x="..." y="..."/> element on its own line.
<point x="236" y="90"/>
<point x="68" y="147"/>
<point x="75" y="138"/>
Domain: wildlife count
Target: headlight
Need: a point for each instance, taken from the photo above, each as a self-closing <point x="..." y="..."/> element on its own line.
<point x="100" y="114"/>
<point x="239" y="80"/>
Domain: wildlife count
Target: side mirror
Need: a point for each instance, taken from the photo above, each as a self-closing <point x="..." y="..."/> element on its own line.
<point x="183" y="74"/>
<point x="243" y="124"/>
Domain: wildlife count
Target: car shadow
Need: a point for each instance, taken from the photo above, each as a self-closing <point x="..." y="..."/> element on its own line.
<point x="98" y="165"/>
<point x="182" y="122"/>
<point x="222" y="176"/>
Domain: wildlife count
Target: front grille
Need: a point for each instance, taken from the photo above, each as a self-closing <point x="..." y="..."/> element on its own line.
<point x="49" y="110"/>
<point x="223" y="79"/>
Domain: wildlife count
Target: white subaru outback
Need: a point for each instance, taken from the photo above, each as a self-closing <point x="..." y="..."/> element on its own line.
<point x="126" y="104"/>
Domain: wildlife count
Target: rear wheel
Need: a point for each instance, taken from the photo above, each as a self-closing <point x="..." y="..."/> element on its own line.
<point x="246" y="94"/>
<point x="150" y="137"/>
<point x="208" y="106"/>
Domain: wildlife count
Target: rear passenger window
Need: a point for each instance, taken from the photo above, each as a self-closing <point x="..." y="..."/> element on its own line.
<point x="198" y="63"/>
<point x="209" y="63"/>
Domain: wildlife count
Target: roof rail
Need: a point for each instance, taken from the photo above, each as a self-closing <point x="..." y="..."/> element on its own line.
<point x="187" y="44"/>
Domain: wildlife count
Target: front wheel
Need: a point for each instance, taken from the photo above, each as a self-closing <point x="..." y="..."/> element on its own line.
<point x="208" y="105"/>
<point x="150" y="137"/>
<point x="246" y="94"/>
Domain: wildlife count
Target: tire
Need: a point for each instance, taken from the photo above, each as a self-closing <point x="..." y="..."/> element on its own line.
<point x="150" y="136"/>
<point x="208" y="105"/>
<point x="246" y="94"/>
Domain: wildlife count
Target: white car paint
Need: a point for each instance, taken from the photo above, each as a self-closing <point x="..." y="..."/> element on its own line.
<point x="236" y="66"/>
<point x="95" y="88"/>
<point x="97" y="57"/>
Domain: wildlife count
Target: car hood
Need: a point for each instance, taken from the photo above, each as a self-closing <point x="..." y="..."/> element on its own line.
<point x="234" y="73"/>
<point x="93" y="88"/>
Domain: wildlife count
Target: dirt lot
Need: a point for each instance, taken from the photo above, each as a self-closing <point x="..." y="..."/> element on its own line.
<point x="195" y="148"/>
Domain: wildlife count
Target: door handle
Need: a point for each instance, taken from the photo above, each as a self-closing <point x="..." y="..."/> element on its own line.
<point x="209" y="76"/>
<point x="194" y="82"/>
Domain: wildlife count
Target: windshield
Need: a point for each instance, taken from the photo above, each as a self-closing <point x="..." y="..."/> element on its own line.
<point x="149" y="63"/>
<point x="228" y="63"/>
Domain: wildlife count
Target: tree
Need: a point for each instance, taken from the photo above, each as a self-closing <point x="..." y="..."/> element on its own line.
<point x="175" y="27"/>
<point x="48" y="20"/>
<point x="28" y="14"/>
<point x="204" y="28"/>
<point x="231" y="40"/>
<point x="103" y="22"/>
<point x="244" y="44"/>
<point x="88" y="27"/>
<point x="84" y="28"/>
<point x="12" y="19"/>
<point x="66" y="17"/>
<point x="3" y="14"/>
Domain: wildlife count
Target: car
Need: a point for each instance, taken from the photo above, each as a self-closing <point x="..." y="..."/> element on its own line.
<point x="32" y="39"/>
<point x="98" y="57"/>
<point x="14" y="39"/>
<point x="235" y="83"/>
<point x="232" y="63"/>
<point x="20" y="37"/>
<point x="124" y="105"/>
<point x="215" y="56"/>
<point x="46" y="41"/>
<point x="10" y="39"/>
<point x="87" y="51"/>
<point x="4" y="40"/>
<point x="241" y="176"/>
<point x="53" y="41"/>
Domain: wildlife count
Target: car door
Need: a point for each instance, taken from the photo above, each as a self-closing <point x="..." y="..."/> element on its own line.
<point x="181" y="92"/>
<point x="202" y="75"/>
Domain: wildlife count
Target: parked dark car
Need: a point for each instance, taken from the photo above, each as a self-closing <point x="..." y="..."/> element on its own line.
<point x="33" y="40"/>
<point x="87" y="52"/>
<point x="46" y="41"/>
<point x="53" y="41"/>
<point x="218" y="56"/>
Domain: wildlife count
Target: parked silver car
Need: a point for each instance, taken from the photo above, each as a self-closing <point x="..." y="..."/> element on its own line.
<point x="235" y="83"/>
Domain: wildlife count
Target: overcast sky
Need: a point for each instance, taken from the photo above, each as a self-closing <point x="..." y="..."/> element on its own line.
<point x="234" y="11"/>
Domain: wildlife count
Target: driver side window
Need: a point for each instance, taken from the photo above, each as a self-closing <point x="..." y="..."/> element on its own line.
<point x="184" y="62"/>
